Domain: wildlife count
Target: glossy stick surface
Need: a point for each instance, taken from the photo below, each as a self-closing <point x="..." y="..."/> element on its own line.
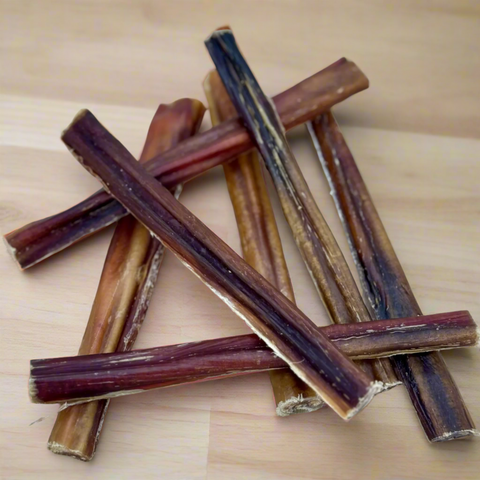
<point x="320" y="251"/>
<point x="39" y="240"/>
<point x="333" y="376"/>
<point x="85" y="378"/>
<point x="433" y="392"/>
<point x="126" y="285"/>
<point x="260" y="240"/>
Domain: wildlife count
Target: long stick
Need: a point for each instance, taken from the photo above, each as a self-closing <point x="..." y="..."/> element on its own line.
<point x="261" y="244"/>
<point x="75" y="379"/>
<point x="436" y="398"/>
<point x="126" y="285"/>
<point x="39" y="240"/>
<point x="340" y="383"/>
<point x="320" y="251"/>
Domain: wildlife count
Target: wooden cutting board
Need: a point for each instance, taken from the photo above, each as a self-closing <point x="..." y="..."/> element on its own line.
<point x="416" y="137"/>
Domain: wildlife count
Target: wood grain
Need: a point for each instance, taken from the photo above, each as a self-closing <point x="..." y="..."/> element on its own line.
<point x="58" y="57"/>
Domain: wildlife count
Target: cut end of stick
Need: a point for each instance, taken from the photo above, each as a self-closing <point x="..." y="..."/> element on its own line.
<point x="60" y="449"/>
<point x="299" y="404"/>
<point x="219" y="32"/>
<point x="12" y="251"/>
<point x="458" y="435"/>
<point x="77" y="118"/>
<point x="33" y="391"/>
<point x="375" y="388"/>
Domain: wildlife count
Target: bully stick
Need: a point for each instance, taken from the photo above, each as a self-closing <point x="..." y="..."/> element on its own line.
<point x="285" y="329"/>
<point x="320" y="251"/>
<point x="80" y="379"/>
<point x="261" y="244"/>
<point x="433" y="392"/>
<point x="41" y="239"/>
<point x="127" y="281"/>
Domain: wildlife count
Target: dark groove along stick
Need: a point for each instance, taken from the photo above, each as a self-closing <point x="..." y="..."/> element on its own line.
<point x="261" y="244"/>
<point x="39" y="240"/>
<point x="126" y="285"/>
<point x="321" y="253"/>
<point x="285" y="329"/>
<point x="87" y="378"/>
<point x="433" y="392"/>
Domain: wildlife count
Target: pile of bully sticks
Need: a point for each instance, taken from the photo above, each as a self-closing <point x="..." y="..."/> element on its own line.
<point x="371" y="347"/>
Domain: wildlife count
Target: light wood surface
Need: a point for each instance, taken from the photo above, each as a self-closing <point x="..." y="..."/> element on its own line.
<point x="415" y="134"/>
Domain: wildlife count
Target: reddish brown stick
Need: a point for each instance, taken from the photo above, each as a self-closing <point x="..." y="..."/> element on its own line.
<point x="436" y="398"/>
<point x="75" y="379"/>
<point x="333" y="376"/>
<point x="261" y="244"/>
<point x="125" y="288"/>
<point x="41" y="239"/>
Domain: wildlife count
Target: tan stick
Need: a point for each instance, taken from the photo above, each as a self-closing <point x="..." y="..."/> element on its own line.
<point x="261" y="244"/>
